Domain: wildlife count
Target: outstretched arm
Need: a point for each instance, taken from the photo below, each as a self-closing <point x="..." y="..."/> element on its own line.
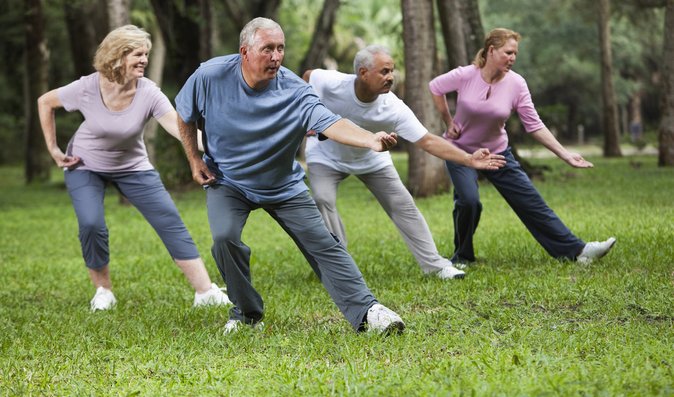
<point x="46" y="106"/>
<point x="439" y="147"/>
<point x="188" y="137"/>
<point x="346" y="132"/>
<point x="545" y="137"/>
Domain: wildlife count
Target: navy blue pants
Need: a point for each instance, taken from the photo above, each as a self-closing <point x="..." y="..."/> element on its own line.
<point x="228" y="210"/>
<point x="146" y="192"/>
<point x="515" y="186"/>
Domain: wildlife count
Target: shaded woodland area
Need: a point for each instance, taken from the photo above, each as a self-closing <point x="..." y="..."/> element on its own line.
<point x="598" y="71"/>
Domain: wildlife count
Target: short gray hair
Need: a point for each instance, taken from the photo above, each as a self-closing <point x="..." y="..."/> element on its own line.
<point x="365" y="57"/>
<point x="247" y="36"/>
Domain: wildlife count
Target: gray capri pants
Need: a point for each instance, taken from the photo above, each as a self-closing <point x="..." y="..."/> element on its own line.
<point x="145" y="190"/>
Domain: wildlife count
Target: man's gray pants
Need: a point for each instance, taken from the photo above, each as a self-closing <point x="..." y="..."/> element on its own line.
<point x="228" y="210"/>
<point x="388" y="189"/>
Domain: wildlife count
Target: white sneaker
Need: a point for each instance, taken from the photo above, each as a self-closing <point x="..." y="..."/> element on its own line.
<point x="214" y="296"/>
<point x="450" y="272"/>
<point x="104" y="299"/>
<point x="595" y="250"/>
<point x="233" y="326"/>
<point x="383" y="320"/>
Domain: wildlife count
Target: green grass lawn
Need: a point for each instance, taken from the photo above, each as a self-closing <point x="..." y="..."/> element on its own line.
<point x="520" y="323"/>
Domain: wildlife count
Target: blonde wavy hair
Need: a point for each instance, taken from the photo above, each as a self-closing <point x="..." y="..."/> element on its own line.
<point x="109" y="58"/>
<point x="497" y="38"/>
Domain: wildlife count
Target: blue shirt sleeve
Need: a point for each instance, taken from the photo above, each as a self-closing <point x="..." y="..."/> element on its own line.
<point x="189" y="101"/>
<point x="318" y="117"/>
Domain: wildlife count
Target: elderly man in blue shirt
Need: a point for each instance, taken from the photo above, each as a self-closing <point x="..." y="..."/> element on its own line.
<point x="255" y="114"/>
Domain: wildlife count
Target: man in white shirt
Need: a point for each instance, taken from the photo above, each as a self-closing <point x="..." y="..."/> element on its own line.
<point x="366" y="99"/>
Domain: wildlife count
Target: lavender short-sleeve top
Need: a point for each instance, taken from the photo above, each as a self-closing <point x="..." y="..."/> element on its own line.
<point x="108" y="141"/>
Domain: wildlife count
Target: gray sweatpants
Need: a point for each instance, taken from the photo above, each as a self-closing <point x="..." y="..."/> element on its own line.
<point x="228" y="210"/>
<point x="388" y="189"/>
<point x="145" y="191"/>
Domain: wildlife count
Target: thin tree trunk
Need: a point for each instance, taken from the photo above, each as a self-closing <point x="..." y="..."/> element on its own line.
<point x="609" y="110"/>
<point x="37" y="160"/>
<point x="473" y="30"/>
<point x="155" y="73"/>
<point x="118" y="13"/>
<point x="320" y="42"/>
<point x="187" y="40"/>
<point x="82" y="34"/>
<point x="666" y="130"/>
<point x="205" y="30"/>
<point x="240" y="12"/>
<point x="451" y="20"/>
<point x="426" y="173"/>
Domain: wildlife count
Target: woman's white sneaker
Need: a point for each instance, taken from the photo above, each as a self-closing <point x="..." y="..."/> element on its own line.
<point x="595" y="250"/>
<point x="214" y="296"/>
<point x="104" y="299"/>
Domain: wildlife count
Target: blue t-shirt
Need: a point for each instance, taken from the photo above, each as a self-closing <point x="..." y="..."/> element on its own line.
<point x="251" y="137"/>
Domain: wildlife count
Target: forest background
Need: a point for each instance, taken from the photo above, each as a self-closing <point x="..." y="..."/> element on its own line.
<point x="598" y="71"/>
<point x="520" y="323"/>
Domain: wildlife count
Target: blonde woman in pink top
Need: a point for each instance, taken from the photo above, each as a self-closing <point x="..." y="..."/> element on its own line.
<point x="488" y="92"/>
<point x="107" y="149"/>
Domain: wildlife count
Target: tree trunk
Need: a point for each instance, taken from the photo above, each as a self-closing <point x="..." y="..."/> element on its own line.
<point x="118" y="13"/>
<point x="187" y="38"/>
<point x="426" y="173"/>
<point x="320" y="42"/>
<point x="609" y="108"/>
<point x="188" y="42"/>
<point x="240" y="12"/>
<point x="37" y="160"/>
<point x="155" y="73"/>
<point x="82" y="34"/>
<point x="451" y="21"/>
<point x="666" y="130"/>
<point x="472" y="27"/>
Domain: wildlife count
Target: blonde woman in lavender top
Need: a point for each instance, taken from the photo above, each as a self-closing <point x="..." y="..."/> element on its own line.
<point x="488" y="92"/>
<point x="107" y="148"/>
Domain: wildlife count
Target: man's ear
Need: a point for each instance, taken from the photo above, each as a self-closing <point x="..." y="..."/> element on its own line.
<point x="361" y="71"/>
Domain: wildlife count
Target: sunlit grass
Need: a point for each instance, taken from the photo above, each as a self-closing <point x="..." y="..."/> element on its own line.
<point x="520" y="323"/>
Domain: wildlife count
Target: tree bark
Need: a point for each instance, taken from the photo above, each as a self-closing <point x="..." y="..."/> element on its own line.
<point x="320" y="42"/>
<point x="666" y="130"/>
<point x="182" y="35"/>
<point x="37" y="160"/>
<point x="451" y="20"/>
<point x="155" y="73"/>
<point x="82" y="33"/>
<point x="609" y="107"/>
<point x="240" y="12"/>
<point x="118" y="13"/>
<point x="188" y="42"/>
<point x="426" y="173"/>
<point x="473" y="30"/>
